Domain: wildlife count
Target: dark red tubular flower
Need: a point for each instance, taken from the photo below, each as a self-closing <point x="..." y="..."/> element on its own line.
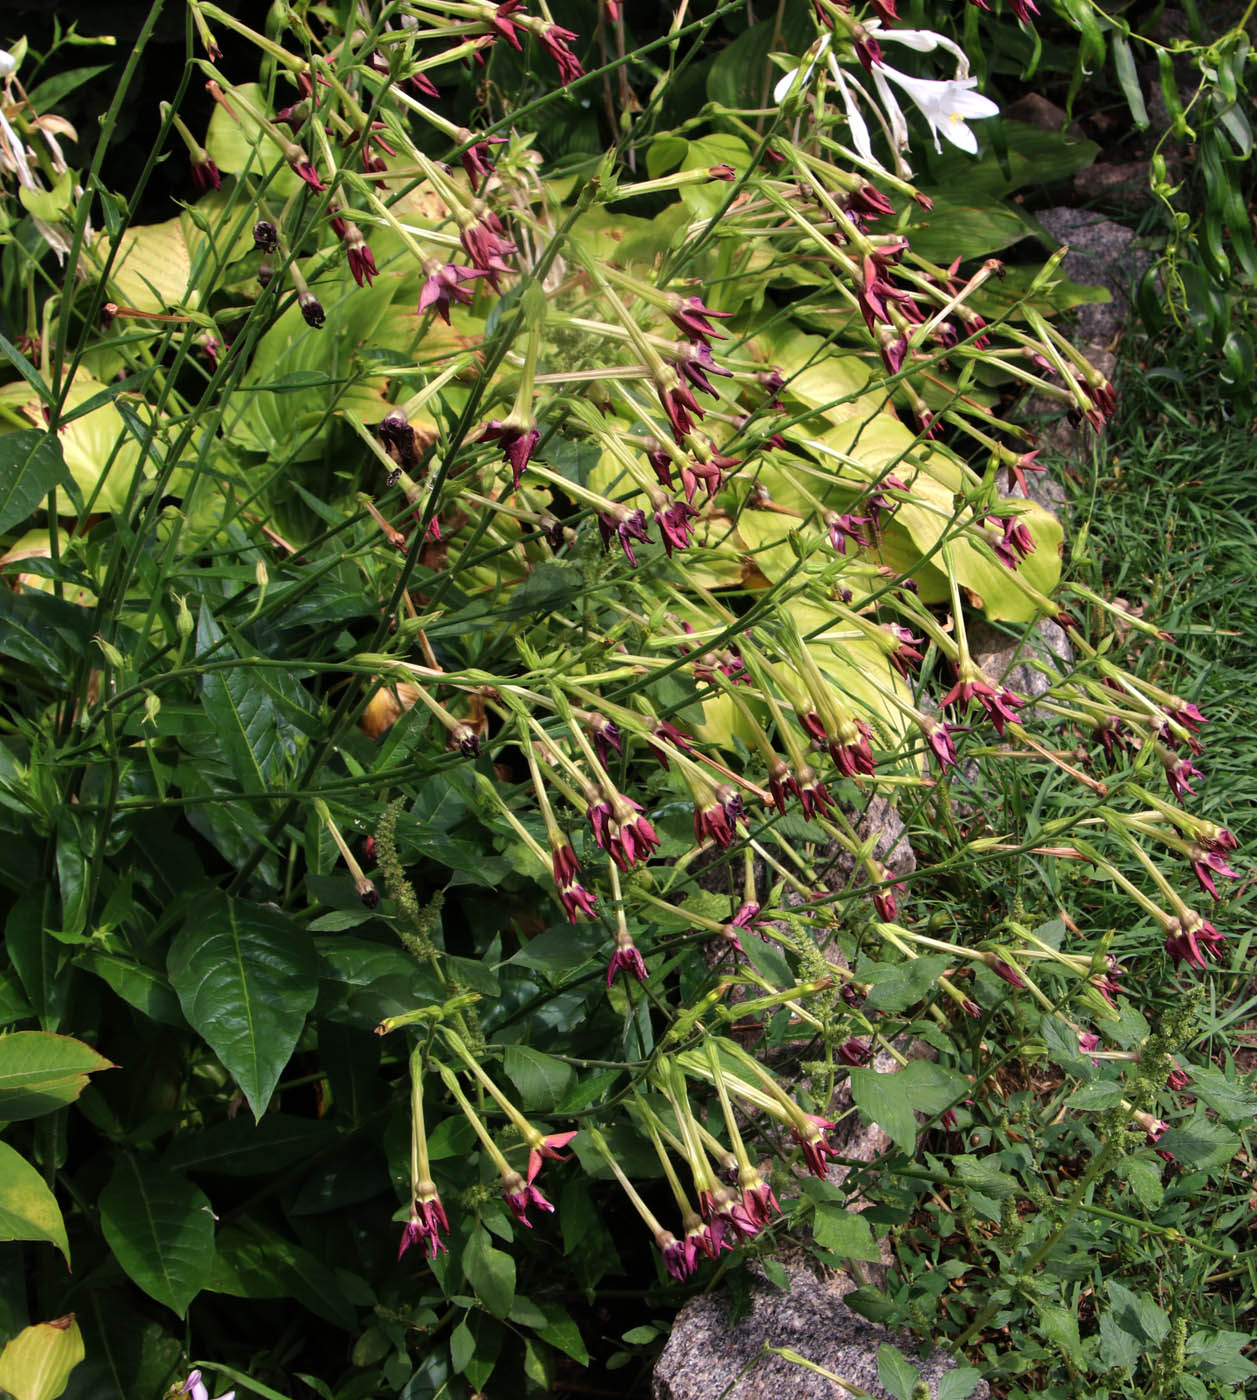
<point x="692" y="318"/>
<point x="1154" y="1131"/>
<point x="1191" y="940"/>
<point x="486" y="244"/>
<point x="518" y="444"/>
<point x="846" y="527"/>
<point x="427" y="1221"/>
<point x="606" y="735"/>
<point x="868" y="51"/>
<point x="661" y="461"/>
<point x="698" y="364"/>
<point x="850" y="749"/>
<point x="1025" y="463"/>
<point x="1000" y="705"/>
<point x="679" y="404"/>
<point x="813" y="794"/>
<point x="309" y="174"/>
<point x="712" y="824"/>
<point x="1024" y="9"/>
<point x="709" y="471"/>
<point x="520" y="1197"/>
<point x="631" y="837"/>
<point x="548" y="1150"/>
<point x="855" y="1051"/>
<point x="667" y="732"/>
<point x="578" y="903"/>
<point x="477" y="158"/>
<point x="563" y="862"/>
<point x="868" y="203"/>
<point x="1015" y="545"/>
<point x="626" y="958"/>
<point x="599" y="814"/>
<point x="205" y="175"/>
<point x="814" y="727"/>
<point x="361" y="263"/>
<point x="555" y="40"/>
<point x="886" y="11"/>
<point x="398" y="437"/>
<point x="1179" y="774"/>
<point x="1207" y="864"/>
<point x="424" y="85"/>
<point x="781" y="781"/>
<point x="1177" y="1079"/>
<point x="444" y="285"/>
<point x="886" y="904"/>
<point x="817" y="1149"/>
<point x="502" y="24"/>
<point x="737" y="1220"/>
<point x="746" y="915"/>
<point x="943" y="747"/>
<point x="904" y="652"/>
<point x="629" y="525"/>
<point x="465" y="739"/>
<point x="679" y="1257"/>
<point x="674" y="525"/>
<point x="758" y="1200"/>
<point x="1005" y="971"/>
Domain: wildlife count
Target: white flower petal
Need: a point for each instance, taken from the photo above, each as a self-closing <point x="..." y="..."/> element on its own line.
<point x="784" y="86"/>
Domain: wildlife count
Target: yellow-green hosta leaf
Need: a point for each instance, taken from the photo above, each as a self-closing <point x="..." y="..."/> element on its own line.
<point x="28" y="1209"/>
<point x="819" y="376"/>
<point x="153" y="266"/>
<point x="36" y="1364"/>
<point x="237" y="143"/>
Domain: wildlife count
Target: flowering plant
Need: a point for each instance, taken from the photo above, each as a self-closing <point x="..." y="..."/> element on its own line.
<point x="545" y="600"/>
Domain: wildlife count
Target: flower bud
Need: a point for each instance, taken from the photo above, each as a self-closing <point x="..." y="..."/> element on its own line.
<point x="311" y="309"/>
<point x="265" y="236"/>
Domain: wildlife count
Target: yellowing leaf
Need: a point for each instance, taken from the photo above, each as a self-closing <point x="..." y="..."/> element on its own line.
<point x="36" y="1364"/>
<point x="153" y="266"/>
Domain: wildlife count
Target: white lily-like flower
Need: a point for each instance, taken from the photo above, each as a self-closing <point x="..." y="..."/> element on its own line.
<point x="946" y="104"/>
<point x="921" y="41"/>
<point x="811" y="59"/>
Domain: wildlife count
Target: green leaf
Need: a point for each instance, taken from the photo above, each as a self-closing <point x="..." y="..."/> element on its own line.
<point x="1060" y="1326"/>
<point x="1124" y="62"/>
<point x="1119" y="1349"/>
<point x="1201" y="1143"/>
<point x="844" y="1233"/>
<point x="462" y="1346"/>
<point x="161" y="1230"/>
<point x="1144" y="1179"/>
<point x="36" y="1364"/>
<point x="31" y="464"/>
<point x="541" y="1079"/>
<point x="146" y="988"/>
<point x="897" y="986"/>
<point x="40" y="1072"/>
<point x="1095" y="1098"/>
<point x="958" y="1384"/>
<point x="491" y="1272"/>
<point x="560" y="1331"/>
<point x="1230" y="1100"/>
<point x="264" y="1265"/>
<point x="1061" y="1043"/>
<point x="34" y="955"/>
<point x="245" y="976"/>
<point x="28" y="1209"/>
<point x="895" y="1372"/>
<point x="884" y="1099"/>
<point x="256" y="740"/>
<point x="238" y="1147"/>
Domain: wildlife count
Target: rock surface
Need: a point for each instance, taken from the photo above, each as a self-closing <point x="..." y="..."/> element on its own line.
<point x="706" y="1353"/>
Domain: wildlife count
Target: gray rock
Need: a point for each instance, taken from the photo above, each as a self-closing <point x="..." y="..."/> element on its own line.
<point x="1101" y="253"/>
<point x="1011" y="660"/>
<point x="707" y="1353"/>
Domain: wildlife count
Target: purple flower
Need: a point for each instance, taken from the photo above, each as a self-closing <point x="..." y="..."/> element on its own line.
<point x="1179" y="773"/>
<point x="699" y="364"/>
<point x="680" y="1257"/>
<point x="1177" y="1079"/>
<point x="578" y="903"/>
<point x="476" y="158"/>
<point x="1206" y="864"/>
<point x="626" y="958"/>
<point x="555" y="40"/>
<point x="518" y="443"/>
<point x="1001" y="705"/>
<point x="205" y="174"/>
<point x="520" y="1195"/>
<point x="817" y="1148"/>
<point x="486" y="244"/>
<point x="903" y="652"/>
<point x="426" y="1223"/>
<point x="444" y="285"/>
<point x="1004" y="970"/>
<point x="502" y="24"/>
<point x="938" y="736"/>
<point x="850" y="749"/>
<point x="628" y="524"/>
<point x="846" y="527"/>
<point x="679" y="403"/>
<point x="548" y="1150"/>
<point x="813" y="794"/>
<point x="692" y="318"/>
<point x="855" y="1051"/>
<point x="674" y="525"/>
<point x="606" y="735"/>
<point x="309" y="174"/>
<point x="361" y="263"/>
<point x="195" y="1388"/>
<point x="1191" y="940"/>
<point x="398" y="437"/>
